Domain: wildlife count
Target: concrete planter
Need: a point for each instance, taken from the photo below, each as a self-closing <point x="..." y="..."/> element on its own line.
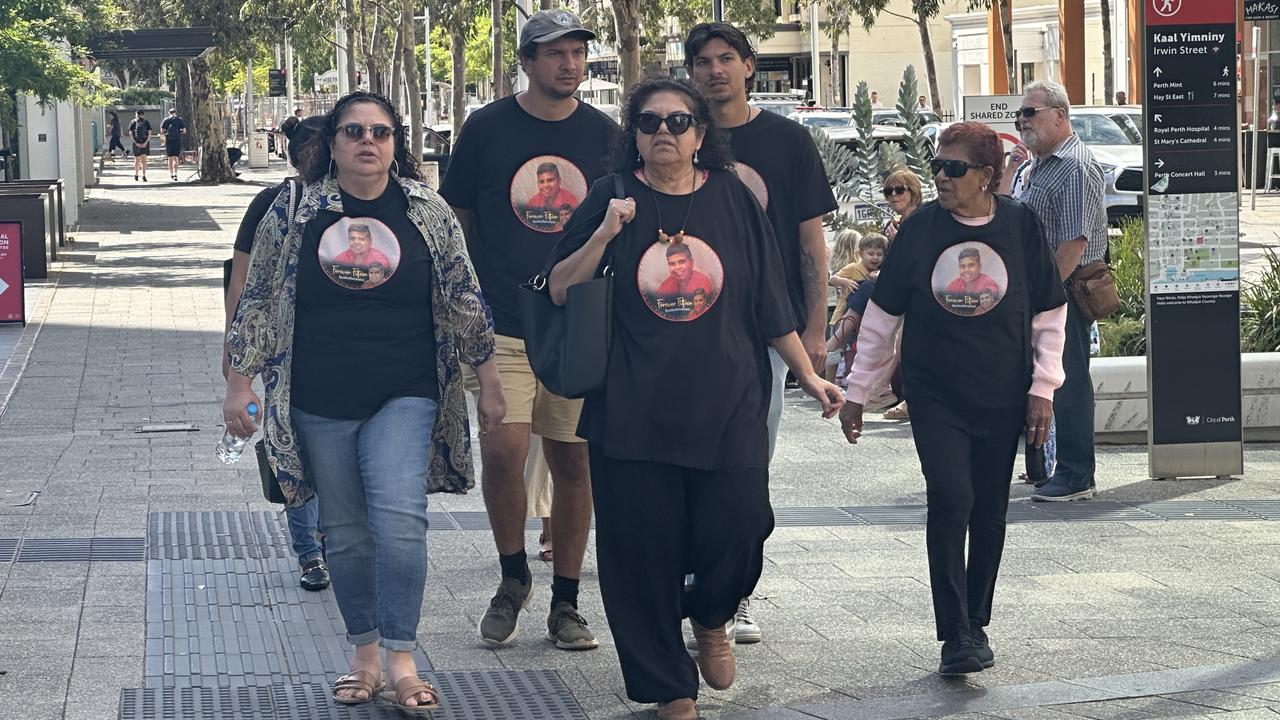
<point x="1120" y="394"/>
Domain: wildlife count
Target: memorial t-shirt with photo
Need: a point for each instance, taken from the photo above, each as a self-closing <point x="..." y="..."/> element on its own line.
<point x="364" y="332"/>
<point x="522" y="179"/>
<point x="688" y="379"/>
<point x="777" y="159"/>
<point x="968" y="294"/>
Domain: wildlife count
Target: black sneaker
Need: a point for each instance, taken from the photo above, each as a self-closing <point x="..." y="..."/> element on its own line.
<point x="501" y="621"/>
<point x="315" y="576"/>
<point x="959" y="657"/>
<point x="983" y="646"/>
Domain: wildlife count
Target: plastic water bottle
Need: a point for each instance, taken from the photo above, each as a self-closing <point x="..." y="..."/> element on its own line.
<point x="230" y="447"/>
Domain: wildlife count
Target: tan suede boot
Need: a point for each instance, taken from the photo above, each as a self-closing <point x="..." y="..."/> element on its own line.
<point x="715" y="656"/>
<point x="682" y="709"/>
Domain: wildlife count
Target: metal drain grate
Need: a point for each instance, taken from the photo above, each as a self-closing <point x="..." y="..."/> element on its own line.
<point x="478" y="695"/>
<point x="8" y="549"/>
<point x="1265" y="509"/>
<point x="128" y="549"/>
<point x="181" y="703"/>
<point x="889" y="514"/>
<point x="216" y="535"/>
<point x="1093" y="511"/>
<point x="812" y="517"/>
<point x="1197" y="510"/>
<point x="441" y="521"/>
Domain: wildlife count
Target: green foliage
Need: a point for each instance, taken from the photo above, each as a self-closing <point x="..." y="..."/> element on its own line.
<point x="42" y="43"/>
<point x="1120" y="336"/>
<point x="143" y="96"/>
<point x="868" y="157"/>
<point x="1128" y="264"/>
<point x="1260" y="308"/>
<point x="917" y="149"/>
<point x="756" y="19"/>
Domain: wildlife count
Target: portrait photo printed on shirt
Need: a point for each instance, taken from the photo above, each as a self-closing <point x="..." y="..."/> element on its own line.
<point x="754" y="183"/>
<point x="680" y="281"/>
<point x="359" y="253"/>
<point x="969" y="279"/>
<point x="545" y="191"/>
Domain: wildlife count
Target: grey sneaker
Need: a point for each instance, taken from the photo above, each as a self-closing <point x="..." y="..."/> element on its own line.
<point x="567" y="629"/>
<point x="745" y="629"/>
<point x="501" y="621"/>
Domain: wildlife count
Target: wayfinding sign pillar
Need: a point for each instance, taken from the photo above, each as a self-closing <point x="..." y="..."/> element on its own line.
<point x="1195" y="428"/>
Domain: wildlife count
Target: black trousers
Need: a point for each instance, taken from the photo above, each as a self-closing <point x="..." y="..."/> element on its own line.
<point x="967" y="469"/>
<point x="654" y="524"/>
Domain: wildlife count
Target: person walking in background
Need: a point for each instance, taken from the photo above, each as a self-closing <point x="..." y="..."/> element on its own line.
<point x="680" y="486"/>
<point x="541" y="143"/>
<point x="113" y="131"/>
<point x="372" y="452"/>
<point x="173" y="129"/>
<point x="140" y="134"/>
<point x="538" y="485"/>
<point x="303" y="520"/>
<point x="1066" y="188"/>
<point x="966" y="424"/>
<point x="778" y="160"/>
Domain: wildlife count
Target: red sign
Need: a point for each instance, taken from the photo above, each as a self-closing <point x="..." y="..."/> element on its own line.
<point x="1191" y="12"/>
<point x="12" y="301"/>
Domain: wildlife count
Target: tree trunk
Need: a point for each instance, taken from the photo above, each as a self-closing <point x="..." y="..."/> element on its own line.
<point x="1108" y="63"/>
<point x="546" y="5"/>
<point x="214" y="167"/>
<point x="350" y="12"/>
<point x="833" y="27"/>
<point x="627" y="14"/>
<point x="182" y="99"/>
<point x="930" y="68"/>
<point x="499" y="79"/>
<point x="1006" y="24"/>
<point x="458" y="49"/>
<point x="413" y="88"/>
<point x="397" y="73"/>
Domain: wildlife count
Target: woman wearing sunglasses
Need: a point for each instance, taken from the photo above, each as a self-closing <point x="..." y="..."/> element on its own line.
<point x="902" y="191"/>
<point x="977" y="288"/>
<point x="364" y="399"/>
<point x="678" y="440"/>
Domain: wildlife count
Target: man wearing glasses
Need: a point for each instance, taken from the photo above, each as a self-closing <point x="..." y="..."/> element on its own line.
<point x="1064" y="185"/>
<point x="541" y="139"/>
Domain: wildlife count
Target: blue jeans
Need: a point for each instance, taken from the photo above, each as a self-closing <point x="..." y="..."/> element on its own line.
<point x="1073" y="405"/>
<point x="370" y="477"/>
<point x="303" y="523"/>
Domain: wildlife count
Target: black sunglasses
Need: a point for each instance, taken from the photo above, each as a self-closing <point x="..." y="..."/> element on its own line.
<point x="953" y="168"/>
<point x="895" y="190"/>
<point x="1030" y="112"/>
<point x="355" y="132"/>
<point x="677" y="122"/>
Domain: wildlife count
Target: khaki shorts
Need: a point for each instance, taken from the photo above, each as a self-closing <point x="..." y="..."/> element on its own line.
<point x="548" y="415"/>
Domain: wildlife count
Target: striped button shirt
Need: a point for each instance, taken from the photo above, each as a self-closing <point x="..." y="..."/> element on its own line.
<point x="1067" y="191"/>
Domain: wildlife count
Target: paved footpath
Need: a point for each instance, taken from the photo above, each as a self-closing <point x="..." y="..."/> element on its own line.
<point x="139" y="578"/>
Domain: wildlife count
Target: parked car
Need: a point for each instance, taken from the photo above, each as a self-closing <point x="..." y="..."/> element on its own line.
<point x="849" y="136"/>
<point x="933" y="124"/>
<point x="1118" y="150"/>
<point x="781" y="103"/>
<point x="821" y="118"/>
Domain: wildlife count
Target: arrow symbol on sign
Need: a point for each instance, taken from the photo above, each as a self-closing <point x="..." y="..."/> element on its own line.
<point x="1157" y="72"/>
<point x="1159" y="163"/>
<point x="1159" y="118"/>
<point x="3" y="286"/>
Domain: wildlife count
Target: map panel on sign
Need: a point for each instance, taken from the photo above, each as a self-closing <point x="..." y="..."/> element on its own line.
<point x="1194" y="243"/>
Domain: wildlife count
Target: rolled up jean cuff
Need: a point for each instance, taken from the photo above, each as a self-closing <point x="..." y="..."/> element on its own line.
<point x="400" y="645"/>
<point x="364" y="638"/>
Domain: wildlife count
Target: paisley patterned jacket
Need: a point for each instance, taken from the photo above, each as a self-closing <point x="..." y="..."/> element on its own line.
<point x="260" y="341"/>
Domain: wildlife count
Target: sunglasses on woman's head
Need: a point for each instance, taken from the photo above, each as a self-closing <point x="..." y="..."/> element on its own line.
<point x="953" y="168"/>
<point x="355" y="132"/>
<point x="895" y="190"/>
<point x="677" y="122"/>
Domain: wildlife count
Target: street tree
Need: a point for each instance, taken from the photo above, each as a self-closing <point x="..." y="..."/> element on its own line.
<point x="839" y="15"/>
<point x="458" y="19"/>
<point x="1005" y="9"/>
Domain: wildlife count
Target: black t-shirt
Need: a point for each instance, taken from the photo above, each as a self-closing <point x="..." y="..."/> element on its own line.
<point x="778" y="161"/>
<point x="172" y="127"/>
<point x="257" y="210"/>
<point x="139" y="129"/>
<point x="521" y="178"/>
<point x="364" y="331"/>
<point x="688" y="379"/>
<point x="968" y="295"/>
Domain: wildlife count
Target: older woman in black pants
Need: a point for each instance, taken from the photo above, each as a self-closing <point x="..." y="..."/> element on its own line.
<point x="678" y="444"/>
<point x="984" y="312"/>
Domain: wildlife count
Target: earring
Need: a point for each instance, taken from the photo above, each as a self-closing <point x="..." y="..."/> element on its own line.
<point x="333" y="171"/>
<point x="639" y="160"/>
<point x="395" y="168"/>
<point x="695" y="156"/>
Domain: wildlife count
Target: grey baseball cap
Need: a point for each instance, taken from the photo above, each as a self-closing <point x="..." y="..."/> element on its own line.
<point x="546" y="26"/>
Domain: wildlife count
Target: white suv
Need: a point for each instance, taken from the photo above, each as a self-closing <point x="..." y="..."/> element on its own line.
<point x="1116" y="142"/>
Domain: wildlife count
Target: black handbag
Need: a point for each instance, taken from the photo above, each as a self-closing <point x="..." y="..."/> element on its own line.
<point x="568" y="347"/>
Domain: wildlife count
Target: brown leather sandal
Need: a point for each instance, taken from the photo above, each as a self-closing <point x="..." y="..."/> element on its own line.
<point x="405" y="688"/>
<point x="545" y="552"/>
<point x="357" y="681"/>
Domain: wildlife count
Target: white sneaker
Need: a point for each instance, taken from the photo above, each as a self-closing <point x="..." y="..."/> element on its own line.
<point x="745" y="629"/>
